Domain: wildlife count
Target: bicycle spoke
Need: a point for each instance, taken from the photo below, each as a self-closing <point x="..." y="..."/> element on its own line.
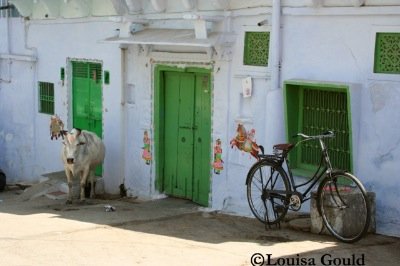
<point x="267" y="193"/>
<point x="343" y="204"/>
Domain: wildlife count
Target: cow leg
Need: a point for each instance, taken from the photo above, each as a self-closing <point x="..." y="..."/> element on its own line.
<point x="69" y="181"/>
<point x="84" y="176"/>
<point x="91" y="179"/>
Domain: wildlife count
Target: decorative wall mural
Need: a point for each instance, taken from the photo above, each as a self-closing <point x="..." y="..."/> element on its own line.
<point x="56" y="127"/>
<point x="146" y="155"/>
<point x="218" y="162"/>
<point x="245" y="141"/>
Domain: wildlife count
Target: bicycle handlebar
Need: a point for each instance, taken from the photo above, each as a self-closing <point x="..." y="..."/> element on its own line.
<point x="327" y="134"/>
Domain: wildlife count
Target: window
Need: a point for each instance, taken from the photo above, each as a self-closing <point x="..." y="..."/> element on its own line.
<point x="313" y="109"/>
<point x="256" y="48"/>
<point x="387" y="53"/>
<point x="46" y="98"/>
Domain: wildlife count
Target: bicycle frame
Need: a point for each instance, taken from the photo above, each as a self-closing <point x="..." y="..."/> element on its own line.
<point x="324" y="168"/>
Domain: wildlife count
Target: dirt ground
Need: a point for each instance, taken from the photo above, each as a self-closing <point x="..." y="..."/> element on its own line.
<point x="170" y="231"/>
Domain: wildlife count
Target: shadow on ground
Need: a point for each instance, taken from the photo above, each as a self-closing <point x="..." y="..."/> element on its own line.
<point x="182" y="219"/>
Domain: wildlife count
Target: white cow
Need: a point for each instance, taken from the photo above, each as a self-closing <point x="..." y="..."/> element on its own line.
<point x="81" y="153"/>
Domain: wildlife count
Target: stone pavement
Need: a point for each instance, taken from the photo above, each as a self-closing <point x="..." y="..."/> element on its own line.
<point x="44" y="231"/>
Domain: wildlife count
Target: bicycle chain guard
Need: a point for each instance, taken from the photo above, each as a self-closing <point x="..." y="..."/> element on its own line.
<point x="295" y="201"/>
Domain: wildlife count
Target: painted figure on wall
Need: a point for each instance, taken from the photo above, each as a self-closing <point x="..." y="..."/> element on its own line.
<point x="56" y="127"/>
<point x="218" y="162"/>
<point x="146" y="155"/>
<point x="245" y="141"/>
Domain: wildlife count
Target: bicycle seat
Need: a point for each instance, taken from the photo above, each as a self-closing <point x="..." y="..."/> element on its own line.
<point x="285" y="147"/>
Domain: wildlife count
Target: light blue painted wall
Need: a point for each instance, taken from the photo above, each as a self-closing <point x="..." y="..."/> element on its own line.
<point x="341" y="48"/>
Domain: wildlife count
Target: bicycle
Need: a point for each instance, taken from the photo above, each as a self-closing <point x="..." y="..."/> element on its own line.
<point x="272" y="191"/>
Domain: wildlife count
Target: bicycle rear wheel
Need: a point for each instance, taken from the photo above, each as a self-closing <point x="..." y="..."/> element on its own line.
<point x="268" y="192"/>
<point x="343" y="204"/>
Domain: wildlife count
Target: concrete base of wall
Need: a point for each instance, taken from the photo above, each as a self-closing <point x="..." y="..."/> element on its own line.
<point x="318" y="227"/>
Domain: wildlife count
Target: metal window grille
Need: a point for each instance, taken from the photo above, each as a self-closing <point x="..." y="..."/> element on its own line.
<point x="387" y="53"/>
<point x="87" y="70"/>
<point x="46" y="98"/>
<point x="256" y="48"/>
<point x="80" y="70"/>
<point x="95" y="72"/>
<point x="324" y="110"/>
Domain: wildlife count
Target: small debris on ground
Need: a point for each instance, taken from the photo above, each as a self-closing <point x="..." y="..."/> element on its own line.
<point x="109" y="208"/>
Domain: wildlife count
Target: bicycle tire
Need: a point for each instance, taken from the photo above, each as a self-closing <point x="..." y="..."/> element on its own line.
<point x="268" y="209"/>
<point x="343" y="204"/>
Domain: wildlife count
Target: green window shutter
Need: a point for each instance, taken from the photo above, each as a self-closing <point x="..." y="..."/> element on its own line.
<point x="62" y="73"/>
<point x="387" y="53"/>
<point x="106" y="77"/>
<point x="256" y="48"/>
<point x="46" y="98"/>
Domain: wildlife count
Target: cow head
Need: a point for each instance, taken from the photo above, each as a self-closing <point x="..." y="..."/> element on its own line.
<point x="72" y="144"/>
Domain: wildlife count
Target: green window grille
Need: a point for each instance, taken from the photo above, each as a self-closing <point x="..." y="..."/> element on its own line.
<point x="80" y="69"/>
<point x="46" y="98"/>
<point x="387" y="53"/>
<point x="312" y="110"/>
<point x="87" y="70"/>
<point x="324" y="110"/>
<point x="256" y="48"/>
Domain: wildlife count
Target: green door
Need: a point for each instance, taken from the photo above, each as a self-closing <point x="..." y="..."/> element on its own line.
<point x="87" y="98"/>
<point x="187" y="130"/>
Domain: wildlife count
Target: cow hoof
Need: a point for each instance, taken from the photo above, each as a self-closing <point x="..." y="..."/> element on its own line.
<point x="68" y="202"/>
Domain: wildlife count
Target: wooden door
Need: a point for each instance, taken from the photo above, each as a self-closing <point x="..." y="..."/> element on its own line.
<point x="187" y="130"/>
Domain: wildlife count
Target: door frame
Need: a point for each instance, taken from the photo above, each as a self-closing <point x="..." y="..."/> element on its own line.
<point x="159" y="125"/>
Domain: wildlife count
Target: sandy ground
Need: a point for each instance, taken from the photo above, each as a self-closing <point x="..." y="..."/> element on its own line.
<point x="170" y="231"/>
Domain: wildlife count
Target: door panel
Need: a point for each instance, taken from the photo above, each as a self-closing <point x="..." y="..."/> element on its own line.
<point x="185" y="138"/>
<point x="187" y="135"/>
<point x="81" y="94"/>
<point x="202" y="139"/>
<point x="172" y="84"/>
<point x="95" y="102"/>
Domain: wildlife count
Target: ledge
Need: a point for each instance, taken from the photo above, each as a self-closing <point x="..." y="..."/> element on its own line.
<point x="18" y="57"/>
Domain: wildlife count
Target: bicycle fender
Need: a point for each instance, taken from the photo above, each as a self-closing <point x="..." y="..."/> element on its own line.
<point x="266" y="161"/>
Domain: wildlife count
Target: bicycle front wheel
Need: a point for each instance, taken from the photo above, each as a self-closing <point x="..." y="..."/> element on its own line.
<point x="343" y="204"/>
<point x="268" y="192"/>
